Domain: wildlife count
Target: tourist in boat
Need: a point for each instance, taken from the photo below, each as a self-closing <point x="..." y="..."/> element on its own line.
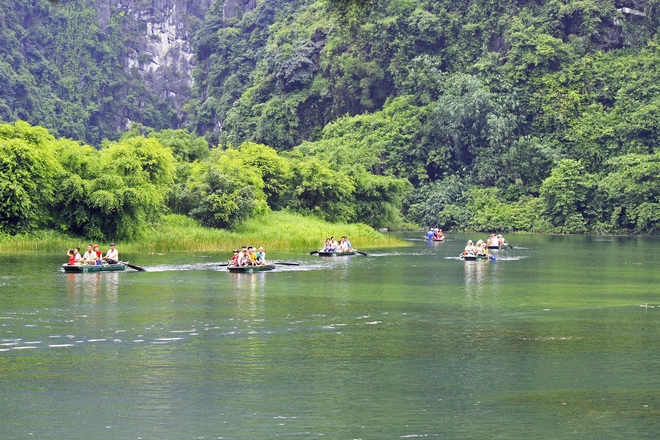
<point x="331" y="245"/>
<point x="77" y="255"/>
<point x="501" y="241"/>
<point x="492" y="240"/>
<point x="344" y="245"/>
<point x="244" y="258"/>
<point x="261" y="256"/>
<point x="234" y="259"/>
<point x="89" y="257"/>
<point x="112" y="256"/>
<point x="253" y="256"/>
<point x="72" y="257"/>
<point x="470" y="249"/>
<point x="99" y="254"/>
<point x="481" y="249"/>
<point x="438" y="234"/>
<point x="327" y="247"/>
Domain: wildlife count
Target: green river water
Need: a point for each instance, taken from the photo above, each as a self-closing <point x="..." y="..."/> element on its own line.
<point x="559" y="338"/>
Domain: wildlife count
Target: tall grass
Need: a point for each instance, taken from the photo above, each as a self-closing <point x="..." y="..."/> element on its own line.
<point x="43" y="241"/>
<point x="275" y="230"/>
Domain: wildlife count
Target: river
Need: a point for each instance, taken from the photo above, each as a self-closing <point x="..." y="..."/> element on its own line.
<point x="557" y="338"/>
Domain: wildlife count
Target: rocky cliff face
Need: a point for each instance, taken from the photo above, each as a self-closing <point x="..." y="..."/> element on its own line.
<point x="162" y="53"/>
<point x="232" y="8"/>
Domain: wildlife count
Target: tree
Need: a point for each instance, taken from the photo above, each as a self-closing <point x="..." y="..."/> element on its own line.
<point x="568" y="195"/>
<point x="321" y="191"/>
<point x="223" y="191"/>
<point x="117" y="192"/>
<point x="469" y="129"/>
<point x="442" y="204"/>
<point x="378" y="199"/>
<point x="29" y="174"/>
<point x="633" y="194"/>
<point x="275" y="171"/>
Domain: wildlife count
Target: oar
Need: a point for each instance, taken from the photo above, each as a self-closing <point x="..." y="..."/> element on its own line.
<point x="361" y="253"/>
<point x="284" y="263"/>
<point x="314" y="252"/>
<point x="133" y="266"/>
<point x="223" y="264"/>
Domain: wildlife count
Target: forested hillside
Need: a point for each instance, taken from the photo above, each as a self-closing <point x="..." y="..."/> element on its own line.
<point x="510" y="115"/>
<point x="87" y="70"/>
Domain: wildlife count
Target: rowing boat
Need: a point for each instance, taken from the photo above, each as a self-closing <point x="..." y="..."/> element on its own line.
<point x="82" y="268"/>
<point x="472" y="257"/>
<point x="250" y="269"/>
<point x="436" y="239"/>
<point x="335" y="254"/>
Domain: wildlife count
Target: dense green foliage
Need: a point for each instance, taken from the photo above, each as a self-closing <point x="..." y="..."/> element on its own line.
<point x="108" y="194"/>
<point x="28" y="177"/>
<point x="62" y="69"/>
<point x="502" y="116"/>
<point x="534" y="115"/>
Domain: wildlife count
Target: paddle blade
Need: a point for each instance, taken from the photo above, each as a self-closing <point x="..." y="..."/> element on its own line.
<point x="138" y="268"/>
<point x="313" y="252"/>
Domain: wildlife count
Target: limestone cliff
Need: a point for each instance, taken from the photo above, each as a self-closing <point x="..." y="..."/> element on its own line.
<point x="162" y="53"/>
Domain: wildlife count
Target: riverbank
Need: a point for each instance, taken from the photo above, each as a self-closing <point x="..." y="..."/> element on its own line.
<point x="275" y="230"/>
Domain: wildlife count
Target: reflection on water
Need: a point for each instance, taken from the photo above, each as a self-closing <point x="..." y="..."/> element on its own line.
<point x="406" y="343"/>
<point x="249" y="294"/>
<point x="481" y="277"/>
<point x="475" y="272"/>
<point x="90" y="286"/>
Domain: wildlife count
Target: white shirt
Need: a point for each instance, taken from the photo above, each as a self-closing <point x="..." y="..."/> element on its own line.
<point x="112" y="254"/>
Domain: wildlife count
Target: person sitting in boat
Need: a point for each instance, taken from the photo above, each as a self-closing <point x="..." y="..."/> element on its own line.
<point x="492" y="240"/>
<point x="470" y="249"/>
<point x="234" y="259"/>
<point x="253" y="256"/>
<point x="244" y="258"/>
<point x="438" y="234"/>
<point x="99" y="255"/>
<point x="261" y="256"/>
<point x="77" y="255"/>
<point x="72" y="257"/>
<point x="89" y="257"/>
<point x="431" y="234"/>
<point x="331" y="245"/>
<point x="343" y="247"/>
<point x="481" y="250"/>
<point x="348" y="243"/>
<point x="501" y="241"/>
<point x="112" y="256"/>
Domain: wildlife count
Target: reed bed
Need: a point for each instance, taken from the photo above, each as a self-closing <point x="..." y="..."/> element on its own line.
<point x="42" y="241"/>
<point x="274" y="231"/>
